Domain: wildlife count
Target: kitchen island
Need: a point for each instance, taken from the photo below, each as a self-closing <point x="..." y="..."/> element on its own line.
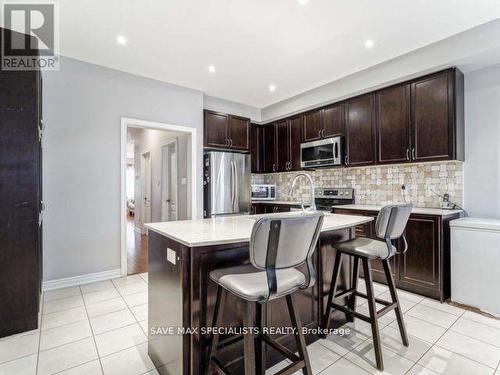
<point x="181" y="295"/>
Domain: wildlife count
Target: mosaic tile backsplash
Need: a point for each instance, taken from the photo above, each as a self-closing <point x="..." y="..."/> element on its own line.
<point x="379" y="185"/>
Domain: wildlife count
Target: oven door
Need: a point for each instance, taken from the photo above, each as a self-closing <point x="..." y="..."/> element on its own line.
<point x="322" y="153"/>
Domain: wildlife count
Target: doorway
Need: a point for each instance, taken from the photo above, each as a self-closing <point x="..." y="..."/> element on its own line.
<point x="158" y="171"/>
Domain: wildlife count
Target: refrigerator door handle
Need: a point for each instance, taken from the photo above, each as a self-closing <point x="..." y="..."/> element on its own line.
<point x="232" y="184"/>
<point x="236" y="187"/>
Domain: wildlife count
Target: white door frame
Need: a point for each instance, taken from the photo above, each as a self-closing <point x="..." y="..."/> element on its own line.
<point x="174" y="142"/>
<point x="142" y="167"/>
<point x="136" y="123"/>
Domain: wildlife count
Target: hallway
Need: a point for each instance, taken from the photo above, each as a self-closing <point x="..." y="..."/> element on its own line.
<point x="137" y="249"/>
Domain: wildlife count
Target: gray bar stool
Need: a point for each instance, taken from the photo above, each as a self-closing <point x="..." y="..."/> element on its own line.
<point x="278" y="245"/>
<point x="390" y="225"/>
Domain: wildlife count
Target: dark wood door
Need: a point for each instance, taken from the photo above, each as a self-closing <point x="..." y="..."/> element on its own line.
<point x="432" y="118"/>
<point x="393" y="128"/>
<point x="239" y="133"/>
<point x="256" y="148"/>
<point x="295" y="141"/>
<point x="269" y="149"/>
<point x="360" y="131"/>
<point x="282" y="142"/>
<point x="333" y="121"/>
<point x="216" y="129"/>
<point x="420" y="265"/>
<point x="312" y="125"/>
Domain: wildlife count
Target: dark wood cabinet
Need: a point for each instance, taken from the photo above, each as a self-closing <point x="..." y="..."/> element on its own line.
<point x="393" y="124"/>
<point x="269" y="208"/>
<point x="282" y="145"/>
<point x="333" y="124"/>
<point x="295" y="130"/>
<point x="20" y="199"/>
<point x="312" y="125"/>
<point x="269" y="149"/>
<point x="425" y="267"/>
<point x="257" y="148"/>
<point x="224" y="131"/>
<point x="437" y="116"/>
<point x="360" y="131"/>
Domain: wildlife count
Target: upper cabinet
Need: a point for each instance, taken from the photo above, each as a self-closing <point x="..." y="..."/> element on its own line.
<point x="295" y="126"/>
<point x="437" y="119"/>
<point x="392" y="108"/>
<point x="323" y="123"/>
<point x="312" y="125"/>
<point x="269" y="149"/>
<point x="226" y="131"/>
<point x="257" y="148"/>
<point x="360" y="131"/>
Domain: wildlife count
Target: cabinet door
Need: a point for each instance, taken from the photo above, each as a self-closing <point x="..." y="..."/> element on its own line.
<point x="420" y="265"/>
<point x="282" y="145"/>
<point x="256" y="146"/>
<point x="269" y="149"/>
<point x="332" y="121"/>
<point x="239" y="133"/>
<point x="432" y="118"/>
<point x="295" y="141"/>
<point x="312" y="125"/>
<point x="216" y="129"/>
<point x="360" y="131"/>
<point x="393" y="130"/>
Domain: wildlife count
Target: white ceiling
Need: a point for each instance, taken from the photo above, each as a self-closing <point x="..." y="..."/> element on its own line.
<point x="255" y="43"/>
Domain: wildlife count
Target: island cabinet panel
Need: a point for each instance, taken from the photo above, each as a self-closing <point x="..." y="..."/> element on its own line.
<point x="295" y="130"/>
<point x="393" y="126"/>
<point x="360" y="131"/>
<point x="437" y="116"/>
<point x="257" y="148"/>
<point x="333" y="124"/>
<point x="312" y="125"/>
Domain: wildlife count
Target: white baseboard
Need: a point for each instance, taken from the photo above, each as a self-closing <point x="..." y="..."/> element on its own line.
<point x="79" y="280"/>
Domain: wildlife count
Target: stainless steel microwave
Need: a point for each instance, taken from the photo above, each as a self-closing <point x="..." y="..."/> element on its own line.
<point x="322" y="153"/>
<point x="261" y="192"/>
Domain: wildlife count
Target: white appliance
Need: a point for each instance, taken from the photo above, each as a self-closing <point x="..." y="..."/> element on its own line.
<point x="262" y="192"/>
<point x="323" y="153"/>
<point x="475" y="261"/>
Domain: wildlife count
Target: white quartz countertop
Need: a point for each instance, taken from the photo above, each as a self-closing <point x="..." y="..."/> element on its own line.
<point x="290" y="203"/>
<point x="234" y="229"/>
<point x="415" y="210"/>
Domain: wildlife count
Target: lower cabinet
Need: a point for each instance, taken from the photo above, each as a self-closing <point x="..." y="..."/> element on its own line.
<point x="269" y="208"/>
<point x="425" y="267"/>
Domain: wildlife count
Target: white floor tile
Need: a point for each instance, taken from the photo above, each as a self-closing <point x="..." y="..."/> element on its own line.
<point x="495" y="323"/>
<point x="128" y="280"/>
<point x="52" y="295"/>
<point x="344" y="367"/>
<point x="391" y="339"/>
<point x="277" y="367"/>
<point x="442" y="306"/>
<point x="22" y="366"/>
<point x="445" y="362"/>
<point x="119" y="339"/>
<point x="420" y="370"/>
<point x="90" y="368"/>
<point x="136" y="299"/>
<point x="106" y="307"/>
<point x="18" y="346"/>
<point x="108" y="322"/>
<point x="383" y="321"/>
<point x="61" y="318"/>
<point x="409" y="296"/>
<point x="53" y="337"/>
<point x="127" y="289"/>
<point x="406" y="304"/>
<point x="320" y="357"/>
<point x="478" y="331"/>
<point x="364" y="356"/>
<point x="132" y="361"/>
<point x="62" y="304"/>
<point x="432" y="315"/>
<point x="476" y="350"/>
<point x="144" y="276"/>
<point x="140" y="312"/>
<point x="100" y="296"/>
<point x="97" y="286"/>
<point x="144" y="326"/>
<point x="421" y="329"/>
<point x="66" y="356"/>
<point x="343" y="344"/>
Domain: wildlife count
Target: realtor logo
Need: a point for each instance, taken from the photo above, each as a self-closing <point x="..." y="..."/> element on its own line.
<point x="30" y="37"/>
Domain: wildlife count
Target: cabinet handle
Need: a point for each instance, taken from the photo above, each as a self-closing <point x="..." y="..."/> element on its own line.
<point x="413" y="153"/>
<point x="407" y="154"/>
<point x="274" y="167"/>
<point x="227" y="142"/>
<point x="346" y="160"/>
<point x="322" y="133"/>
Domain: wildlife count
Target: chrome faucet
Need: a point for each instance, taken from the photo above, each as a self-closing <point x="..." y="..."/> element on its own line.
<point x="312" y="206"/>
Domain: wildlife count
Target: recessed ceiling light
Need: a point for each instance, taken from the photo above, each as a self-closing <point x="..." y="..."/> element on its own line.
<point x="211" y="69"/>
<point x="369" y="43"/>
<point x="272" y="88"/>
<point x="121" y="40"/>
<point x="303" y="2"/>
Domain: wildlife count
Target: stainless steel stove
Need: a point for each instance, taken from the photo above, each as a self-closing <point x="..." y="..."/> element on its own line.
<point x="328" y="197"/>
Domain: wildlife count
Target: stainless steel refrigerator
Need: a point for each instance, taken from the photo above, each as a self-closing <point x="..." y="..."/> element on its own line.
<point x="226" y="183"/>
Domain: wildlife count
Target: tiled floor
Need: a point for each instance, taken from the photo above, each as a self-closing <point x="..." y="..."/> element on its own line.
<point x="101" y="328"/>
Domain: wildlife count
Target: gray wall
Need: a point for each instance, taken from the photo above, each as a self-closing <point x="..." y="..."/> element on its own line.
<point x="482" y="146"/>
<point x="82" y="105"/>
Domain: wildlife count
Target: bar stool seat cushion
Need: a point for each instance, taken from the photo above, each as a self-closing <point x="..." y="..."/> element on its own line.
<point x="366" y="247"/>
<point x="250" y="283"/>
